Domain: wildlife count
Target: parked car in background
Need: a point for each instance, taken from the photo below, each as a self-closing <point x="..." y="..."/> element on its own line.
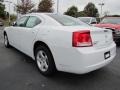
<point x="60" y="42"/>
<point x="112" y="23"/>
<point x="1" y="23"/>
<point x="88" y="20"/>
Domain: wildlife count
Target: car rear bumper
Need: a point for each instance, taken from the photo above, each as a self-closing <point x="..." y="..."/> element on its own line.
<point x="93" y="67"/>
<point x="87" y="60"/>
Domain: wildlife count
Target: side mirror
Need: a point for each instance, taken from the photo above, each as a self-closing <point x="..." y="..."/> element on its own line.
<point x="14" y="24"/>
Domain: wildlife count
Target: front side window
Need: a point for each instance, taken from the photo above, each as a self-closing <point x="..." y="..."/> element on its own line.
<point x="22" y="21"/>
<point x="32" y="21"/>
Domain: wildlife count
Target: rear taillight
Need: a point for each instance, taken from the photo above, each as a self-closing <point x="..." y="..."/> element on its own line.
<point x="82" y="39"/>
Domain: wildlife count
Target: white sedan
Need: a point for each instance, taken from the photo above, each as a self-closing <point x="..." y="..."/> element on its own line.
<point x="59" y="42"/>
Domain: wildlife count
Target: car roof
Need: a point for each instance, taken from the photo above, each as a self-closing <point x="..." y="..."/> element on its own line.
<point x="39" y="14"/>
<point x="47" y="20"/>
<point x="111" y="17"/>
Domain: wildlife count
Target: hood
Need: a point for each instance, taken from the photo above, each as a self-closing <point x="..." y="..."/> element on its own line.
<point x="109" y="26"/>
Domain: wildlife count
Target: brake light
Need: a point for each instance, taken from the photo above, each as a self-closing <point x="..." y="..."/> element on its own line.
<point x="82" y="39"/>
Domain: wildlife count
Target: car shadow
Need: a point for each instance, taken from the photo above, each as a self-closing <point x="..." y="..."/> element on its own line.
<point x="25" y="57"/>
<point x="64" y="76"/>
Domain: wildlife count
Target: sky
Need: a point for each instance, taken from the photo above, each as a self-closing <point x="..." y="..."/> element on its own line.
<point x="111" y="6"/>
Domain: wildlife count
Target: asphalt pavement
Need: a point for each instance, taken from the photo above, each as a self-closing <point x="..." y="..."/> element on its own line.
<point x="19" y="72"/>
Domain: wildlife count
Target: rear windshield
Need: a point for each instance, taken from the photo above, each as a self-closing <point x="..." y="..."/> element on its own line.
<point x="86" y="20"/>
<point x="66" y="20"/>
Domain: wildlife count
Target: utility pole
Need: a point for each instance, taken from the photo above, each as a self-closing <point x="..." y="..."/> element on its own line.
<point x="9" y="2"/>
<point x="101" y="6"/>
<point x="9" y="14"/>
<point x="9" y="10"/>
<point x="57" y="6"/>
<point x="17" y="11"/>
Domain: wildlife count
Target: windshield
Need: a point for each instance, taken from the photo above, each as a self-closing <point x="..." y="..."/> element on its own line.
<point x="86" y="20"/>
<point x="66" y="20"/>
<point x="111" y="20"/>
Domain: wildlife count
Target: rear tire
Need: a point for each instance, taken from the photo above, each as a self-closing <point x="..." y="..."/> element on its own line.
<point x="44" y="61"/>
<point x="6" y="41"/>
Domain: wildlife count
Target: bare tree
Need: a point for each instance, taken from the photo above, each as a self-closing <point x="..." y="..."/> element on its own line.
<point x="25" y="6"/>
<point x="106" y="13"/>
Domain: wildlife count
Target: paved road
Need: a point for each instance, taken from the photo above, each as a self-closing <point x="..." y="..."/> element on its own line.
<point x="19" y="72"/>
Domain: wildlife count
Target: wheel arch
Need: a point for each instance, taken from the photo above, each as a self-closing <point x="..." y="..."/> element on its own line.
<point x="38" y="43"/>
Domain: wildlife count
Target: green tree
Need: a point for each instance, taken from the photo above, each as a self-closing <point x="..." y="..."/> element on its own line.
<point x="81" y="14"/>
<point x="25" y="6"/>
<point x="2" y="9"/>
<point x="13" y="17"/>
<point x="45" y="6"/>
<point x="91" y="10"/>
<point x="115" y="15"/>
<point x="72" y="11"/>
<point x="1" y="0"/>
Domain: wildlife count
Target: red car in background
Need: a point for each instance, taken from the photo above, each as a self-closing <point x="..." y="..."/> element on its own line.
<point x="112" y="23"/>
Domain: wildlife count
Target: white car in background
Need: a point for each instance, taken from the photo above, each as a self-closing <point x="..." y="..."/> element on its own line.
<point x="59" y="42"/>
<point x="88" y="20"/>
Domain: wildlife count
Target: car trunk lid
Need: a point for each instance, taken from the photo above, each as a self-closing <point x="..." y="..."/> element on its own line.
<point x="100" y="37"/>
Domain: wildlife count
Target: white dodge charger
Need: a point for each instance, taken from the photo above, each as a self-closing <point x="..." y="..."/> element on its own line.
<point x="59" y="42"/>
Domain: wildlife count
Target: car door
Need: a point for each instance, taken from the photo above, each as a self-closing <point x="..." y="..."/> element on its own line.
<point x="28" y="34"/>
<point x="15" y="31"/>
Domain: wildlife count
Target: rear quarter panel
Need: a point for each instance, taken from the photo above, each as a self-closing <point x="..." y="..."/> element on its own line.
<point x="58" y="39"/>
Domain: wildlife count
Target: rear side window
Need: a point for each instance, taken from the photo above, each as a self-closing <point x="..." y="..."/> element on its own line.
<point x="93" y="20"/>
<point x="33" y="21"/>
<point x="86" y="20"/>
<point x="66" y="20"/>
<point x="22" y="21"/>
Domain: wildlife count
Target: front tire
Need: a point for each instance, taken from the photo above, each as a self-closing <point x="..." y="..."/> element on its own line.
<point x="44" y="61"/>
<point x="6" y="42"/>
